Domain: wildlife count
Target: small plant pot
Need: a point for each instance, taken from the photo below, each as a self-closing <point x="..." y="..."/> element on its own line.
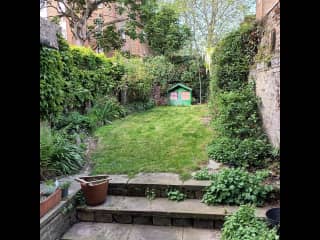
<point x="50" y="202"/>
<point x="273" y="216"/>
<point x="95" y="188"/>
<point x="64" y="193"/>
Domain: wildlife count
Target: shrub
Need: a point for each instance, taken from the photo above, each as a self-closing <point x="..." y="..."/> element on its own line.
<point x="105" y="110"/>
<point x="46" y="150"/>
<point x="51" y="83"/>
<point x="58" y="156"/>
<point x="236" y="187"/>
<point x="244" y="225"/>
<point x="240" y="153"/>
<point x="139" y="106"/>
<point x="238" y="114"/>
<point x="176" y="195"/>
<point x="241" y="140"/>
<point x="73" y="122"/>
<point x="202" y="174"/>
<point x="67" y="157"/>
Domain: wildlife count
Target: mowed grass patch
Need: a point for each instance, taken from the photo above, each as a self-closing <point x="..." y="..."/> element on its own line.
<point x="163" y="139"/>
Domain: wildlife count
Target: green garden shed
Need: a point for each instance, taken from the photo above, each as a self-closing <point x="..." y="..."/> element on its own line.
<point x="180" y="95"/>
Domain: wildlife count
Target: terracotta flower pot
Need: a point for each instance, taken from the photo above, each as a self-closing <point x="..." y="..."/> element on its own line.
<point x="50" y="202"/>
<point x="95" y="188"/>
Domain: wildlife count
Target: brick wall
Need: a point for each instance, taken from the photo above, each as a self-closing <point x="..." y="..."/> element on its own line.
<point x="263" y="7"/>
<point x="266" y="74"/>
<point x="109" y="14"/>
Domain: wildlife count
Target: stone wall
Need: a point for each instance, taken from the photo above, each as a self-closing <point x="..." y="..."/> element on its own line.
<point x="266" y="74"/>
<point x="48" y="33"/>
<point x="53" y="225"/>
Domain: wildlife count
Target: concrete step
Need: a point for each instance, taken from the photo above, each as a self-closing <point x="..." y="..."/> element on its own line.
<point x="121" y="185"/>
<point x="111" y="231"/>
<point x="160" y="211"/>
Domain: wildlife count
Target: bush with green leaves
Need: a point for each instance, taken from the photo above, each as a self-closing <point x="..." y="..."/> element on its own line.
<point x="51" y="83"/>
<point x="250" y="152"/>
<point x="240" y="138"/>
<point x="202" y="174"/>
<point x="236" y="186"/>
<point x="238" y="113"/>
<point x="73" y="77"/>
<point x="243" y="224"/>
<point x="105" y="110"/>
<point x="73" y="122"/>
<point x="176" y="195"/>
<point x="58" y="155"/>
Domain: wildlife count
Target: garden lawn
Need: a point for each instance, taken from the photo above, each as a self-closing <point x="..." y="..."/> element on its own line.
<point x="163" y="139"/>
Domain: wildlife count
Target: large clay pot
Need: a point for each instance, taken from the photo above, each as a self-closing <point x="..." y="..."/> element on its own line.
<point x="95" y="188"/>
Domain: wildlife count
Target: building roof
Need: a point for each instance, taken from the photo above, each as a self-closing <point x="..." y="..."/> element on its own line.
<point x="179" y="85"/>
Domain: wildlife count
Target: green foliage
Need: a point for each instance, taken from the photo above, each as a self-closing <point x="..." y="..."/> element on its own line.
<point x="176" y="195"/>
<point x="65" y="185"/>
<point x="202" y="174"/>
<point x="58" y="156"/>
<point x="73" y="122"/>
<point x="164" y="33"/>
<point x="109" y="39"/>
<point x="150" y="194"/>
<point x="72" y="78"/>
<point x="238" y="114"/>
<point x="241" y="140"/>
<point x="139" y="106"/>
<point x="240" y="153"/>
<point x="233" y="57"/>
<point x="80" y="199"/>
<point x="51" y="83"/>
<point x="244" y="225"/>
<point x="235" y="186"/>
<point x="104" y="110"/>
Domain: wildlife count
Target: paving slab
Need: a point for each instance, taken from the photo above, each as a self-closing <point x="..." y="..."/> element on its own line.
<point x="188" y="207"/>
<point x="112" y="231"/>
<point x="156" y="179"/>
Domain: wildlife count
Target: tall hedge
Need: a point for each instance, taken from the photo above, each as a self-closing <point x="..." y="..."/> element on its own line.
<point x="241" y="141"/>
<point x="73" y="77"/>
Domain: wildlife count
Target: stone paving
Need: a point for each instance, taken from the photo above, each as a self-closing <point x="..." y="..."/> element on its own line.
<point x="112" y="231"/>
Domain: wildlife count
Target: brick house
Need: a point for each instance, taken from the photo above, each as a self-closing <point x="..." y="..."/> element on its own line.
<point x="134" y="47"/>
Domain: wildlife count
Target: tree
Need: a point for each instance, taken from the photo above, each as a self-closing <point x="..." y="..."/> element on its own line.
<point x="210" y="20"/>
<point x="164" y="33"/>
<point x="78" y="13"/>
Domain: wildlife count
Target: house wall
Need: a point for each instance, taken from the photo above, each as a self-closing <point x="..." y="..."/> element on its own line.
<point x="109" y="15"/>
<point x="266" y="74"/>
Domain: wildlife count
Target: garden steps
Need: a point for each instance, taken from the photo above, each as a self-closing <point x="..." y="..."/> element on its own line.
<point x="112" y="231"/>
<point x="122" y="185"/>
<point x="160" y="211"/>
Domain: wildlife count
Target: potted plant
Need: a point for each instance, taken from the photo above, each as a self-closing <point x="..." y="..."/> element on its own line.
<point x="64" y="189"/>
<point x="95" y="188"/>
<point x="49" y="198"/>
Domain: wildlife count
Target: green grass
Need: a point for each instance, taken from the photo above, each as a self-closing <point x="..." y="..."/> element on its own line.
<point x="163" y="139"/>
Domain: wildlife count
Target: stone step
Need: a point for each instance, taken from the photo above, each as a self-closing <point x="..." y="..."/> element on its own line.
<point x="111" y="231"/>
<point x="121" y="185"/>
<point x="160" y="211"/>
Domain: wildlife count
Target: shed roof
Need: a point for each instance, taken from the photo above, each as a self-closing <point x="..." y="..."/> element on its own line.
<point x="179" y="85"/>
